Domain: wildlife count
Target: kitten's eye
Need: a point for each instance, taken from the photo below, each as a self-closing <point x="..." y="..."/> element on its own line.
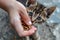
<point x="39" y="18"/>
<point x="30" y="13"/>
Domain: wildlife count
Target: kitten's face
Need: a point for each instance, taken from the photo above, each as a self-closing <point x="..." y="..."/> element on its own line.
<point x="39" y="12"/>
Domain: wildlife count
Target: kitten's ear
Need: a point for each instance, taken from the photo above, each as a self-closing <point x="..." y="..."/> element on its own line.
<point x="50" y="11"/>
<point x="30" y="2"/>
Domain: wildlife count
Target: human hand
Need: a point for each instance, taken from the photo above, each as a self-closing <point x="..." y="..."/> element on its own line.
<point x="17" y="11"/>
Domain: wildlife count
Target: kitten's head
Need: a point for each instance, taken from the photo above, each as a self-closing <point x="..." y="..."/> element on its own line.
<point x="44" y="12"/>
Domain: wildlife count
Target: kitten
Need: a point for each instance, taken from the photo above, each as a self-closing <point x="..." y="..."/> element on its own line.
<point x="38" y="14"/>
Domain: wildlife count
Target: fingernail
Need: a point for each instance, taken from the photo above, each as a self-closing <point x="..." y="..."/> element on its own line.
<point x="29" y="22"/>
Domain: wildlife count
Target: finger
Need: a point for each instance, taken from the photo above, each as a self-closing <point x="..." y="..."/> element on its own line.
<point x="24" y="15"/>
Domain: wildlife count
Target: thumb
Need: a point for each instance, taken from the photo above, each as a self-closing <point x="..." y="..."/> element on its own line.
<point x="25" y="18"/>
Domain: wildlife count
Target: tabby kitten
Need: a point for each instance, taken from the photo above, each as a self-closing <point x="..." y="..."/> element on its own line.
<point x="38" y="12"/>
